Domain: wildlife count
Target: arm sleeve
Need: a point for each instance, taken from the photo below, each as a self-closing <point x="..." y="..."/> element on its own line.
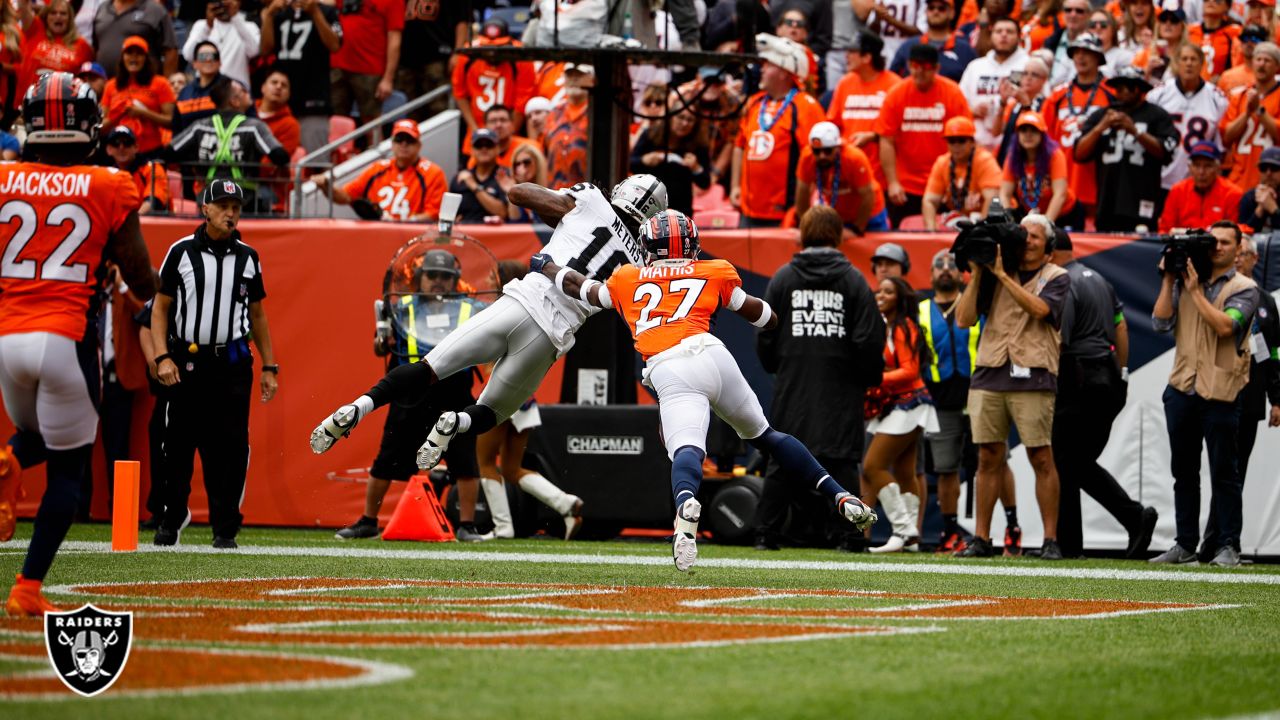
<point x="437" y="185"/>
<point x="257" y="291"/>
<point x="908" y="361"/>
<point x="250" y="35"/>
<point x="356" y="188"/>
<point x="198" y="33"/>
<point x="1055" y="296"/>
<point x="1245" y="303"/>
<point x="170" y="278"/>
<point x="729" y="280"/>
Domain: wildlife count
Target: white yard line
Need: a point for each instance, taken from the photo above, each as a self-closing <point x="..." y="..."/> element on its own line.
<point x="1224" y="577"/>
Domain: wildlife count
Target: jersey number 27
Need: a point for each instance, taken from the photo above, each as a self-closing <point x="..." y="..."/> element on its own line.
<point x="651" y="295"/>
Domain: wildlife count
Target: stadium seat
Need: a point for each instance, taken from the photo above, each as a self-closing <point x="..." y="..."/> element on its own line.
<point x="710" y="199"/>
<point x="912" y="222"/>
<point x="340" y="125"/>
<point x="721" y="218"/>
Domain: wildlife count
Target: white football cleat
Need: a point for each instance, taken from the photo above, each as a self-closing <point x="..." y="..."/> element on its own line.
<point x="573" y="518"/>
<point x="856" y="511"/>
<point x="685" y="545"/>
<point x="438" y="440"/>
<point x="334" y="428"/>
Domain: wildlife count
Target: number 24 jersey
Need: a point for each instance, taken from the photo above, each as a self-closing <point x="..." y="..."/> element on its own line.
<point x="590" y="239"/>
<point x="665" y="304"/>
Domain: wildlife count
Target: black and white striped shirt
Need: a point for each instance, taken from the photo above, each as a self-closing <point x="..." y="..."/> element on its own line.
<point x="211" y="283"/>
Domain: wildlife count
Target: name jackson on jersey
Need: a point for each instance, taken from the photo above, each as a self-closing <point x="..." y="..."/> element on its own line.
<point x="45" y="184"/>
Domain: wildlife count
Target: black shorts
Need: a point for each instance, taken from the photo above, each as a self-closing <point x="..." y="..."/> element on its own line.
<point x="407" y="427"/>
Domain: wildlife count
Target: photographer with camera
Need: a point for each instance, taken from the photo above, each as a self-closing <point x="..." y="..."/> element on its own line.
<point x="1017" y="365"/>
<point x="1210" y="320"/>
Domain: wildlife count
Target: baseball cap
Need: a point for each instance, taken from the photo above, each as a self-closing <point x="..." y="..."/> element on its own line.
<point x="1086" y="41"/>
<point x="1254" y="34"/>
<point x="484" y="135"/>
<point x="1033" y="119"/>
<point x="1129" y="75"/>
<point x="91" y="68"/>
<point x="495" y="27"/>
<point x="120" y="132"/>
<point x="959" y="127"/>
<point x="1268" y="3"/>
<point x="537" y="103"/>
<point x="135" y="41"/>
<point x="824" y="135"/>
<point x="1205" y="149"/>
<point x="439" y="260"/>
<point x="894" y="252"/>
<point x="923" y="53"/>
<point x="785" y="53"/>
<point x="221" y="190"/>
<point x="1172" y="9"/>
<point x="405" y="127"/>
<point x="1270" y="156"/>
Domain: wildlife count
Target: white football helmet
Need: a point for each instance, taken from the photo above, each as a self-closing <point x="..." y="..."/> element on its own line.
<point x="640" y="196"/>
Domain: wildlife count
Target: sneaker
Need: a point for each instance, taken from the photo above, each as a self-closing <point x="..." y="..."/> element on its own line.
<point x="165" y="537"/>
<point x="10" y="483"/>
<point x="438" y="440"/>
<point x="26" y="600"/>
<point x="1140" y="540"/>
<point x="1176" y="555"/>
<point x="468" y="533"/>
<point x="1050" y="550"/>
<point x="855" y="511"/>
<point x="685" y="543"/>
<point x="977" y="548"/>
<point x="952" y="542"/>
<point x="359" y="530"/>
<point x="1013" y="542"/>
<point x="334" y="428"/>
<point x="222" y="543"/>
<point x="1227" y="557"/>
<point x="573" y="520"/>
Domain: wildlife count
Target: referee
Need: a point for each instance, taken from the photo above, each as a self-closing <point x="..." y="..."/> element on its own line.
<point x="208" y="306"/>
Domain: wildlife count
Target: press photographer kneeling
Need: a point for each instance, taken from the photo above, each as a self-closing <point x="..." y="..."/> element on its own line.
<point x="1015" y="379"/>
<point x="1209" y="309"/>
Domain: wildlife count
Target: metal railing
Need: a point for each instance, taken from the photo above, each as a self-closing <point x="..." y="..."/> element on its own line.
<point x="311" y="159"/>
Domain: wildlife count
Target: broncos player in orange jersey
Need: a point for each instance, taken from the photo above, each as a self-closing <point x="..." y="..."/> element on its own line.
<point x="59" y="220"/>
<point x="668" y="304"/>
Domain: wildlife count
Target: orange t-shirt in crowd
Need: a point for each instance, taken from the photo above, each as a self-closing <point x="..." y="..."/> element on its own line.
<point x="985" y="176"/>
<point x="1239" y="75"/>
<point x="1024" y="189"/>
<point x="482" y="85"/>
<point x="548" y="82"/>
<point x="61" y="210"/>
<point x="664" y="304"/>
<point x="1186" y="208"/>
<point x="1245" y="152"/>
<point x="914" y="120"/>
<point x="116" y="102"/>
<point x="766" y="154"/>
<point x="565" y="145"/>
<point x="39" y="53"/>
<point x="969" y="11"/>
<point x="855" y="174"/>
<point x="401" y="194"/>
<point x="1219" y="46"/>
<point x="1064" y="114"/>
<point x="1034" y="35"/>
<point x="854" y="107"/>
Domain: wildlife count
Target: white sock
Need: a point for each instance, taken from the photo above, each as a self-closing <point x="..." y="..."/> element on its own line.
<point x="364" y="404"/>
<point x="550" y="495"/>
<point x="464" y="422"/>
<point x="495" y="495"/>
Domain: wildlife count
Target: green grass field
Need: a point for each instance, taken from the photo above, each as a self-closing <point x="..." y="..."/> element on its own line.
<point x="544" y="629"/>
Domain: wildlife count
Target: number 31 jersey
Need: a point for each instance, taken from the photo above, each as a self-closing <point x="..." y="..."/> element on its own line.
<point x="665" y="304"/>
<point x="54" y="225"/>
<point x="591" y="239"/>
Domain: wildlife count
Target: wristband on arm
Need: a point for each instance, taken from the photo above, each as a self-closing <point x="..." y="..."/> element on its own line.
<point x="765" y="313"/>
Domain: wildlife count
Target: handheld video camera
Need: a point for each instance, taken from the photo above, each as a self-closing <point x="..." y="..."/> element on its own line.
<point x="977" y="242"/>
<point x="1194" y="247"/>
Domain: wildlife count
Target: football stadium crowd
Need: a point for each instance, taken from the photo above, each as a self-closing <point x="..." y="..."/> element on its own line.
<point x="1051" y="117"/>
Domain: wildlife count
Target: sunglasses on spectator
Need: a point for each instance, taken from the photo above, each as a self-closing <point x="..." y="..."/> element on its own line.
<point x="1099" y="24"/>
<point x="403" y="138"/>
<point x="824" y="151"/>
<point x="484" y="145"/>
<point x="958" y="140"/>
<point x="438" y="275"/>
<point x="121" y="142"/>
<point x="207" y="57"/>
<point x="1075" y="11"/>
<point x="795" y="23"/>
<point x="522" y="163"/>
<point x="946" y="262"/>
<point x="1269" y="168"/>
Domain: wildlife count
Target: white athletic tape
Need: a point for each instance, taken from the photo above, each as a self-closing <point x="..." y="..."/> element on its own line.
<point x="764" y="315"/>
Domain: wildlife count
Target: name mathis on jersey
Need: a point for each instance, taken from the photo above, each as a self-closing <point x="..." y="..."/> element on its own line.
<point x="817" y="313"/>
<point x="45" y="184"/>
<point x="661" y="272"/>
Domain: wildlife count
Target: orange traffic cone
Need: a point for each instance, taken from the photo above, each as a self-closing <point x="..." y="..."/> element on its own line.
<point x="418" y="515"/>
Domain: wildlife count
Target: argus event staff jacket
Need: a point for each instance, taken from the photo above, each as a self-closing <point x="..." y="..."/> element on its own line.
<point x="826" y="351"/>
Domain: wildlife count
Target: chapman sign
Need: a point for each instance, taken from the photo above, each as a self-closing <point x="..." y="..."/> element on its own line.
<point x="605" y="445"/>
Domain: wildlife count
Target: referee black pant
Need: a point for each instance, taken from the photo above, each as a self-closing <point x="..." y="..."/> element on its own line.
<point x="1090" y="396"/>
<point x="209" y="412"/>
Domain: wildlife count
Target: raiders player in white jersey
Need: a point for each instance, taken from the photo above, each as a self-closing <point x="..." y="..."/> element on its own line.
<point x="530" y="326"/>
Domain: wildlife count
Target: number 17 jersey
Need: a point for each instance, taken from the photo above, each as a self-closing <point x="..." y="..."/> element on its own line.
<point x="666" y="304"/>
<point x="590" y="239"/>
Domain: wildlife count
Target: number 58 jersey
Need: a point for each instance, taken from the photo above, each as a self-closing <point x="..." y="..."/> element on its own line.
<point x="54" y="225"/>
<point x="665" y="304"/>
<point x="590" y="239"/>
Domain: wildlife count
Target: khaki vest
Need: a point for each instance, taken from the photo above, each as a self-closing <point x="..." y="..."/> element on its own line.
<point x="1011" y="334"/>
<point x="1215" y="367"/>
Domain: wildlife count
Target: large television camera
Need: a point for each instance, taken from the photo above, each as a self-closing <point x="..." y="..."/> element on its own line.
<point x="977" y="242"/>
<point x="1193" y="247"/>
